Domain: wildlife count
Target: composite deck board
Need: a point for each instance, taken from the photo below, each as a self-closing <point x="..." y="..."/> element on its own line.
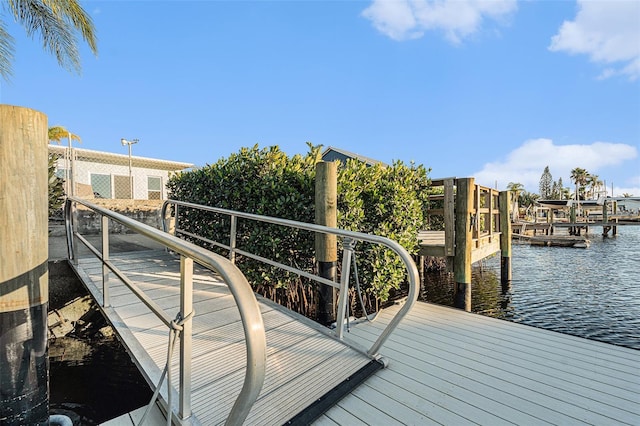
<point x="303" y="362"/>
<point x="447" y="366"/>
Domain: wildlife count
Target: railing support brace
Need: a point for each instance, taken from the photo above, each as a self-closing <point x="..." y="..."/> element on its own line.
<point x="347" y="253"/>
<point x="232" y="239"/>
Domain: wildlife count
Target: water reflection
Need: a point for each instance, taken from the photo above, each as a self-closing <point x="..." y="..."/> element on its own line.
<point x="592" y="293"/>
<point x="93" y="381"/>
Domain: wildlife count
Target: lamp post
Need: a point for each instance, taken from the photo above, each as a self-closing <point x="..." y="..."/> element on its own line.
<point x="129" y="143"/>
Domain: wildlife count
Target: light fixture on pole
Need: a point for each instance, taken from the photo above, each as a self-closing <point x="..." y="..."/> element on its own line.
<point x="124" y="142"/>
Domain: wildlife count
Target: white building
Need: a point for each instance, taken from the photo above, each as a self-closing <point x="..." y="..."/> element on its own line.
<point x="99" y="174"/>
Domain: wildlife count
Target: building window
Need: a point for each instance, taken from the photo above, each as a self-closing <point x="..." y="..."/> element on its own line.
<point x="154" y="186"/>
<point x="101" y="185"/>
<point x="122" y="187"/>
<point x="61" y="173"/>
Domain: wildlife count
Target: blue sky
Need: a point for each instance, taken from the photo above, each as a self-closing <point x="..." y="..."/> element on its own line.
<point x="491" y="89"/>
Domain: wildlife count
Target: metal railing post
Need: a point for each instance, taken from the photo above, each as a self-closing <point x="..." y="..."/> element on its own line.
<point x="74" y="231"/>
<point x="104" y="224"/>
<point x="175" y="221"/>
<point x="232" y="239"/>
<point x="186" y="306"/>
<point x="347" y="253"/>
<point x="68" y="227"/>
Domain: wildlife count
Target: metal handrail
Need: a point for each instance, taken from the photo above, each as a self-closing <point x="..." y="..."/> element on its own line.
<point x="236" y="281"/>
<point x="412" y="270"/>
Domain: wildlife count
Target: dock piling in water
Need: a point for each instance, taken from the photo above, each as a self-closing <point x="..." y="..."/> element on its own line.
<point x="24" y="272"/>
<point x="463" y="236"/>
<point x="505" y="236"/>
<point x="326" y="244"/>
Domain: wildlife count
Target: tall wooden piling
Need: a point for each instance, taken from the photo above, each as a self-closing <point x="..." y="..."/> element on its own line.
<point x="505" y="237"/>
<point x="24" y="276"/>
<point x="614" y="210"/>
<point x="572" y="219"/>
<point x="326" y="244"/>
<point x="605" y="219"/>
<point x="463" y="237"/>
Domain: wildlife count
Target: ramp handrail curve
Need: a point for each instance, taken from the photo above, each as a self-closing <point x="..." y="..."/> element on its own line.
<point x="245" y="299"/>
<point x="412" y="270"/>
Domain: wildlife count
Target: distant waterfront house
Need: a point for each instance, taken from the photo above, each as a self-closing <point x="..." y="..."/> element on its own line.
<point x="336" y="154"/>
<point x="99" y="174"/>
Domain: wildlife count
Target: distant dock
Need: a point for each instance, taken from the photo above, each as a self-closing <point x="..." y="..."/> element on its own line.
<point x="575" y="241"/>
<point x="578" y="215"/>
<point x="576" y="228"/>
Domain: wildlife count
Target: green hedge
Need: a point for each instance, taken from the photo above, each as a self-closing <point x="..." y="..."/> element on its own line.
<point x="56" y="187"/>
<point x="388" y="201"/>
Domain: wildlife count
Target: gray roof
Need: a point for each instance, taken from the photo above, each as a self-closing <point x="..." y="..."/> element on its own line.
<point x="332" y="153"/>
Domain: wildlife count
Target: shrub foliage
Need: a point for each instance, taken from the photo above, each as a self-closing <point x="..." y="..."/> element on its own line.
<point x="383" y="200"/>
<point x="56" y="187"/>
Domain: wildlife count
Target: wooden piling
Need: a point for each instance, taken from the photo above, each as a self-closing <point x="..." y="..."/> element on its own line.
<point x="505" y="237"/>
<point x="463" y="238"/>
<point x="24" y="276"/>
<point x="614" y="210"/>
<point x="326" y="244"/>
<point x="605" y="219"/>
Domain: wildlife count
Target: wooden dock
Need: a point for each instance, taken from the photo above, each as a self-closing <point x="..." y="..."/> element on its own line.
<point x="446" y="366"/>
<point x="481" y="204"/>
<point x="575" y="241"/>
<point x="475" y="222"/>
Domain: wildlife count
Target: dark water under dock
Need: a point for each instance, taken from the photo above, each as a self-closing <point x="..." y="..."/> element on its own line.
<point x="92" y="381"/>
<point x="592" y="293"/>
<point x="91" y="377"/>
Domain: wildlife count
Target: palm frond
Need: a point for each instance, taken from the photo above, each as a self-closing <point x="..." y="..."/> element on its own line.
<point x="55" y="21"/>
<point x="71" y="11"/>
<point x="6" y="52"/>
<point x="57" y="133"/>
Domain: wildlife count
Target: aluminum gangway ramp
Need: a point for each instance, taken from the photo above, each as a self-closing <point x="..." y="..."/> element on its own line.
<point x="238" y="358"/>
<point x="303" y="362"/>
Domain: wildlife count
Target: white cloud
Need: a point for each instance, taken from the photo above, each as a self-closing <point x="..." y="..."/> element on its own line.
<point x="607" y="31"/>
<point x="630" y="186"/>
<point x="526" y="163"/>
<point x="406" y="19"/>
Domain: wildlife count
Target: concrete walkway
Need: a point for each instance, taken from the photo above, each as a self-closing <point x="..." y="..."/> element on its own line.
<point x="118" y="243"/>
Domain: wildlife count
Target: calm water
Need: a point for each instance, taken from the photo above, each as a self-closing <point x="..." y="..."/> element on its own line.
<point x="93" y="381"/>
<point x="592" y="293"/>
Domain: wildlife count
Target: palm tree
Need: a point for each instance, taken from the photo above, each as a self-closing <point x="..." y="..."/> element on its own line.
<point x="56" y="21"/>
<point x="57" y="133"/>
<point x="516" y="188"/>
<point x="579" y="176"/>
<point x="595" y="184"/>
